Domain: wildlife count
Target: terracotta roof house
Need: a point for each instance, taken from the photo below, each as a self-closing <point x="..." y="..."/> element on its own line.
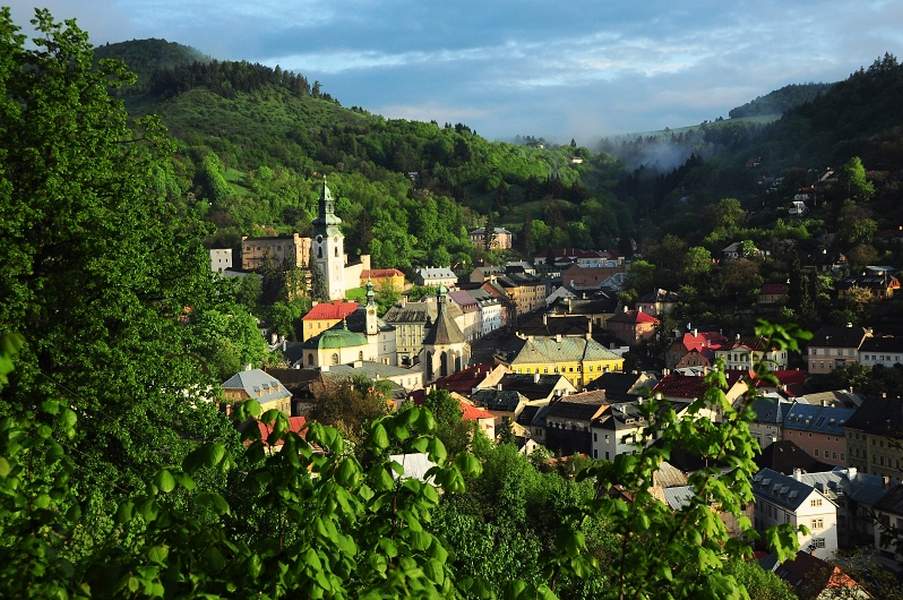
<point x="296" y="425"/>
<point x="814" y="579"/>
<point x="695" y="349"/>
<point x="464" y="382"/>
<point x="325" y="315"/>
<point x="484" y="419"/>
<point x="632" y="326"/>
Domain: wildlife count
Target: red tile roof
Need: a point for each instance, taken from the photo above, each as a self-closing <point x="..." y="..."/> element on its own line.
<point x="337" y="309"/>
<point x="690" y="387"/>
<point x="634" y="317"/>
<point x="295" y="425"/>
<point x="703" y="340"/>
<point x="465" y="380"/>
<point x="381" y="273"/>
<point x="469" y="412"/>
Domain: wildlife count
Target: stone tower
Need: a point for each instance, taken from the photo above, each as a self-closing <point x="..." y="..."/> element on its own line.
<point x="328" y="249"/>
<point x="445" y="349"/>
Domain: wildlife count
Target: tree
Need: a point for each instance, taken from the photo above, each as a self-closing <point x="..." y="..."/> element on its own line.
<point x="727" y="215"/>
<point x="319" y="289"/>
<point x="102" y="271"/>
<point x="349" y="406"/>
<point x="454" y="431"/>
<point x="641" y="276"/>
<point x="854" y="180"/>
<point x="698" y="261"/>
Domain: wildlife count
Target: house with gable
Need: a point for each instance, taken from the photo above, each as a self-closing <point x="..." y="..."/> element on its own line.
<point x="580" y="360"/>
<point x="781" y="499"/>
<point x="834" y="347"/>
<point x="257" y="385"/>
<point x="568" y="422"/>
<point x="632" y="326"/>
<point x="695" y="349"/>
<point x="818" y="430"/>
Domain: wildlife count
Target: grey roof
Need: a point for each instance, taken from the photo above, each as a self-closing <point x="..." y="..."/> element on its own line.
<point x="679" y="496"/>
<point x="780" y="489"/>
<point x="616" y="385"/>
<point x="838" y="337"/>
<point x="884" y="343"/>
<point x="500" y="400"/>
<point x="624" y="415"/>
<point x="879" y="416"/>
<point x="862" y="488"/>
<point x="826" y="420"/>
<point x="428" y="273"/>
<point x="528" y="414"/>
<point x="769" y="410"/>
<point x="445" y="330"/>
<point x="418" y="312"/>
<point x="257" y="384"/>
<point x="372" y="370"/>
<point x="583" y="406"/>
<point x="529" y="386"/>
<point x="832" y="398"/>
<point x="543" y="349"/>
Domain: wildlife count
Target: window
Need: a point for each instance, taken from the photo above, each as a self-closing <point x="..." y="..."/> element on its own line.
<point x="336" y="251"/>
<point x="335" y="358"/>
<point x="595" y="438"/>
<point x="818" y="542"/>
<point x="815" y="502"/>
<point x="817" y="524"/>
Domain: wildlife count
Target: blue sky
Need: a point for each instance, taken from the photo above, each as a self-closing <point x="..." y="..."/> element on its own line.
<point x="555" y="68"/>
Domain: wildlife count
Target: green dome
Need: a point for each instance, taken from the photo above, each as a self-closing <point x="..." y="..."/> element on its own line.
<point x="340" y="338"/>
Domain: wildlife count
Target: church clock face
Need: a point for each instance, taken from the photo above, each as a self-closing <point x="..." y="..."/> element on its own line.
<point x="319" y="239"/>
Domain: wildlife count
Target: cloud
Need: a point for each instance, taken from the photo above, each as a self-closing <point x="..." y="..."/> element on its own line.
<point x="580" y="68"/>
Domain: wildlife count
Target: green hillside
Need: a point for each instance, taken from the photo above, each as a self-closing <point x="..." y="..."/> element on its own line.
<point x="781" y="100"/>
<point x="255" y="142"/>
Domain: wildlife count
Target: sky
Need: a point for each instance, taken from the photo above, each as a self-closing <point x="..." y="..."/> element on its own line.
<point x="553" y="68"/>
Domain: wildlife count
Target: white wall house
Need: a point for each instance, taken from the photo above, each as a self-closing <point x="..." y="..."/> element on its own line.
<point x="617" y="431"/>
<point x="784" y="499"/>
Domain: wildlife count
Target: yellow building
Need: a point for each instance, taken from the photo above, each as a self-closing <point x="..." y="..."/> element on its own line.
<point x="579" y="359"/>
<point x="384" y="279"/>
<point x="254" y="383"/>
<point x="324" y="316"/>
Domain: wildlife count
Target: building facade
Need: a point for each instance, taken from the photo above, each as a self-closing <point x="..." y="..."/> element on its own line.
<point x="220" y="259"/>
<point x="834" y="347"/>
<point x="281" y="252"/>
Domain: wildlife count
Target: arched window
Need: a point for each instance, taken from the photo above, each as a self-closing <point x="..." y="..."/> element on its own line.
<point x="310" y="360"/>
<point x="360" y="355"/>
<point x="336" y="249"/>
<point x="335" y="358"/>
<point x="319" y="251"/>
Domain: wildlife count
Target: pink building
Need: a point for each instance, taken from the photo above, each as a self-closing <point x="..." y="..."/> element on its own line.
<point x="818" y="430"/>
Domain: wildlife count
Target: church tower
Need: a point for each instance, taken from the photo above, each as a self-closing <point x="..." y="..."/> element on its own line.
<point x="372" y="320"/>
<point x="445" y="349"/>
<point x="328" y="249"/>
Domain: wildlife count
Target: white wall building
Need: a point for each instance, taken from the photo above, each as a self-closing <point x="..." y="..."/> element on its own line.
<point x="784" y="499"/>
<point x="617" y="431"/>
<point x="220" y="259"/>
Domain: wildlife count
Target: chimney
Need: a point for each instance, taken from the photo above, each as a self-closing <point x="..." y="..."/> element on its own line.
<point x="851" y="473"/>
<point x="695" y="332"/>
<point x="248" y="367"/>
<point x="284" y="344"/>
<point x="536" y="377"/>
<point x="498" y="387"/>
<point x="545" y="318"/>
<point x="737" y="337"/>
<point x="404" y="300"/>
<point x="798" y="474"/>
<point x="886" y="481"/>
<point x="314" y="303"/>
<point x="558" y="337"/>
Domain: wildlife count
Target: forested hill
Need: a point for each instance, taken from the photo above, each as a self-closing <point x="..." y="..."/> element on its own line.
<point x="781" y="100"/>
<point x="254" y="140"/>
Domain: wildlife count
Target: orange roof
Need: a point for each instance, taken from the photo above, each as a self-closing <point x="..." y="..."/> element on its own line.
<point x="295" y="425"/>
<point x="381" y="273"/>
<point x="337" y="309"/>
<point x="469" y="412"/>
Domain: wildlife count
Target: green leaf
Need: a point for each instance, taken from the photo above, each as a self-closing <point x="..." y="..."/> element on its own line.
<point x="158" y="554"/>
<point x="124" y="512"/>
<point x="4" y="467"/>
<point x="379" y="437"/>
<point x="42" y="501"/>
<point x="165" y="481"/>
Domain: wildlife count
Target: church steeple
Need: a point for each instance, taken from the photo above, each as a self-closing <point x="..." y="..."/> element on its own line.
<point x="326" y="214"/>
<point x="372" y="325"/>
